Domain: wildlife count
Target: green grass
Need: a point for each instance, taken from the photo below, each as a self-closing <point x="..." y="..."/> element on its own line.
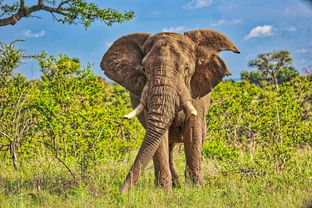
<point x="47" y="183"/>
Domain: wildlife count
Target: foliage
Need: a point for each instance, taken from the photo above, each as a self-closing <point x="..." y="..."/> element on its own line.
<point x="69" y="113"/>
<point x="64" y="11"/>
<point x="254" y="77"/>
<point x="243" y="114"/>
<point x="16" y="94"/>
<point x="16" y="116"/>
<point x="10" y="58"/>
<point x="286" y="74"/>
<point x="218" y="150"/>
<point x="273" y="68"/>
<point x="80" y="113"/>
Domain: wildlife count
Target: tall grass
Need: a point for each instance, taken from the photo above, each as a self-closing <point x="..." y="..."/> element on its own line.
<point x="241" y="183"/>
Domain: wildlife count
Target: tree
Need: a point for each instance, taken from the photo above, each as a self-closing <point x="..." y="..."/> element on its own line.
<point x="273" y="67"/>
<point x="11" y="58"/>
<point x="64" y="11"/>
<point x="254" y="77"/>
<point x="286" y="74"/>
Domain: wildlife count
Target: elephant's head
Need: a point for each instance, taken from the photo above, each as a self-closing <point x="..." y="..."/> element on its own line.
<point x="167" y="70"/>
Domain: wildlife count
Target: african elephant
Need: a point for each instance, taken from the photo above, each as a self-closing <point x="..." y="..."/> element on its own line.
<point x="170" y="77"/>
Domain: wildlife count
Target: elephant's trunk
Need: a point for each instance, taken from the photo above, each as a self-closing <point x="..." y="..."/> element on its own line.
<point x="161" y="106"/>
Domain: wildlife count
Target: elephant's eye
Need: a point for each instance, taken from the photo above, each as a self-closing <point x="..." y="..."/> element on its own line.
<point x="186" y="69"/>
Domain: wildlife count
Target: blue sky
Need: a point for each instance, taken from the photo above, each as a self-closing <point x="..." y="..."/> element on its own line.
<point x="254" y="26"/>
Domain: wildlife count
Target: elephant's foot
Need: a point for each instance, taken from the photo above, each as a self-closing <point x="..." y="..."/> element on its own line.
<point x="193" y="177"/>
<point x="175" y="178"/>
<point x="124" y="188"/>
<point x="174" y="175"/>
<point x="166" y="185"/>
<point x="175" y="181"/>
<point x="127" y="183"/>
<point x="197" y="181"/>
<point x="163" y="179"/>
<point x="167" y="188"/>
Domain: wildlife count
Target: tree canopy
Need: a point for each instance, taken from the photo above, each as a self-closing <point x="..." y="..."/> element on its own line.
<point x="64" y="11"/>
<point x="273" y="68"/>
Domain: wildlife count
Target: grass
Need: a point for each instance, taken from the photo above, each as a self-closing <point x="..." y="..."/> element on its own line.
<point x="47" y="183"/>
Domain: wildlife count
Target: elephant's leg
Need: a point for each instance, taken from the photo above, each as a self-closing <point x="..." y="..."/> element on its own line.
<point x="175" y="178"/>
<point x="204" y="131"/>
<point x="161" y="165"/>
<point x="193" y="142"/>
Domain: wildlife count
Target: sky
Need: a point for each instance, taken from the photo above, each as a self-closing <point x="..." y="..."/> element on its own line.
<point x="254" y="26"/>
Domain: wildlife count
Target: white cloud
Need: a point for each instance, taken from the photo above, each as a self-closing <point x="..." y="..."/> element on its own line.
<point x="196" y="4"/>
<point x="30" y="34"/>
<point x="173" y="29"/>
<point x="225" y="22"/>
<point x="291" y="28"/>
<point x="302" y="50"/>
<point x="260" y="31"/>
<point x="108" y="44"/>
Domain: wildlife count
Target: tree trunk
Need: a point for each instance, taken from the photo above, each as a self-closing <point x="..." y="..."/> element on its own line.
<point x="275" y="81"/>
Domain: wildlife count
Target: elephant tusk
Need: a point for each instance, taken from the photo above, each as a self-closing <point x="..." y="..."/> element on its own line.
<point x="135" y="112"/>
<point x="190" y="108"/>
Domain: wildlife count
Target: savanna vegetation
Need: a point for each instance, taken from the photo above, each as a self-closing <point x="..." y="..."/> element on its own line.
<point x="63" y="142"/>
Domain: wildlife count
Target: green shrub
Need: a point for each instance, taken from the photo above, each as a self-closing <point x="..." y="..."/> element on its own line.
<point x="244" y="112"/>
<point x="219" y="150"/>
<point x="69" y="113"/>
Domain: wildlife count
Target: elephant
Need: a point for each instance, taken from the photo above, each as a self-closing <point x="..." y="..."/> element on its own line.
<point x="170" y="77"/>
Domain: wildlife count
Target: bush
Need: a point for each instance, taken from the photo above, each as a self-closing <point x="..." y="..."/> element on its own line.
<point x="243" y="112"/>
<point x="219" y="150"/>
<point x="69" y="113"/>
<point x="245" y="115"/>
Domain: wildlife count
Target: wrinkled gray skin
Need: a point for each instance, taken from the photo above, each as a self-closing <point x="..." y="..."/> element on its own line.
<point x="174" y="69"/>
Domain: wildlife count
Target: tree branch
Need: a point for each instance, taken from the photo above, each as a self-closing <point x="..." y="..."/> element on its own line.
<point x="22" y="4"/>
<point x="69" y="170"/>
<point x="2" y="147"/>
<point x="7" y="136"/>
<point x="40" y="2"/>
<point x="58" y="10"/>
<point x="23" y="12"/>
<point x="71" y="10"/>
<point x="63" y="2"/>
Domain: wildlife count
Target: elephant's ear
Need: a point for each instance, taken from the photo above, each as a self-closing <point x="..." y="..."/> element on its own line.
<point x="210" y="68"/>
<point x="208" y="74"/>
<point x="212" y="40"/>
<point x="123" y="62"/>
